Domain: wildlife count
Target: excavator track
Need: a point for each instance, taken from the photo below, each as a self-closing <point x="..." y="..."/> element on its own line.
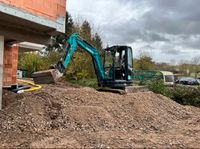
<point x="129" y="89"/>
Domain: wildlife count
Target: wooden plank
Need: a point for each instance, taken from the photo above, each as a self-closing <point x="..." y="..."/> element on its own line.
<point x="1" y="68"/>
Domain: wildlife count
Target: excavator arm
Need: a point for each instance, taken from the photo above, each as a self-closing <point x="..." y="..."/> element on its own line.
<point x="72" y="43"/>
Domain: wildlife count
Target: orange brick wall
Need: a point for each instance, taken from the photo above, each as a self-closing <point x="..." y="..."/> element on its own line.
<point x="49" y="9"/>
<point x="10" y="65"/>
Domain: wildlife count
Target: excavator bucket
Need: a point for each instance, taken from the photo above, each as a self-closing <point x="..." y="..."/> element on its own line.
<point x="46" y="77"/>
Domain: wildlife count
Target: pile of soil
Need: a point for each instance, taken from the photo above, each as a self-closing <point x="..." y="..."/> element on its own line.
<point x="9" y="98"/>
<point x="59" y="116"/>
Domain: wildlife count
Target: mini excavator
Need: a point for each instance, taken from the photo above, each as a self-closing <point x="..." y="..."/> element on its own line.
<point x="114" y="71"/>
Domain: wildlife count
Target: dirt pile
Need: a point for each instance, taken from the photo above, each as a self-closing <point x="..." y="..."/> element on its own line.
<point x="10" y="98"/>
<point x="63" y="116"/>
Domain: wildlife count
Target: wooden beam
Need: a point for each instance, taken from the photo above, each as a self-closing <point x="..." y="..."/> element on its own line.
<point x="1" y="68"/>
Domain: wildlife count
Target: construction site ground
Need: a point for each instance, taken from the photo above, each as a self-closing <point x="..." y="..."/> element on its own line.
<point x="61" y="115"/>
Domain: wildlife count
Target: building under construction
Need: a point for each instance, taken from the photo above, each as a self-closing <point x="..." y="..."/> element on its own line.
<point x="32" y="21"/>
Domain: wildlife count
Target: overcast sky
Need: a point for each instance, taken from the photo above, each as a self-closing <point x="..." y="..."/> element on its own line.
<point x="169" y="30"/>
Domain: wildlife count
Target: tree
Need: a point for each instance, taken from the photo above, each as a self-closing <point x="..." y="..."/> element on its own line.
<point x="97" y="42"/>
<point x="144" y="63"/>
<point x="59" y="41"/>
<point x="69" y="24"/>
<point x="86" y="31"/>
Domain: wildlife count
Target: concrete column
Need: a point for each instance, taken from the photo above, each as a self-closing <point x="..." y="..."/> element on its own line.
<point x="1" y="68"/>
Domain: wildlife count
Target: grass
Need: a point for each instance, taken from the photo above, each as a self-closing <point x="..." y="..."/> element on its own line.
<point x="85" y="82"/>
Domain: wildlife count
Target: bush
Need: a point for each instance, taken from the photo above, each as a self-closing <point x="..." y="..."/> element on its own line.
<point x="156" y="86"/>
<point x="30" y="62"/>
<point x="50" y="59"/>
<point x="80" y="67"/>
<point x="185" y="95"/>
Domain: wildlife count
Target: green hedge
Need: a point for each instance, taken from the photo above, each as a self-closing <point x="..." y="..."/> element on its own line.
<point x="185" y="95"/>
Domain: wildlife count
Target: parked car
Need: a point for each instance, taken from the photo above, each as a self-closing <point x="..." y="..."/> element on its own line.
<point x="187" y="81"/>
<point x="168" y="77"/>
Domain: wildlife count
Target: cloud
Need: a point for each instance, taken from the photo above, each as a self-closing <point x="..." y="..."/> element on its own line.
<point x="169" y="27"/>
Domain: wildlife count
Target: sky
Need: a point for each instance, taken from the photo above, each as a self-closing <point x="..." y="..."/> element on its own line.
<point x="167" y="30"/>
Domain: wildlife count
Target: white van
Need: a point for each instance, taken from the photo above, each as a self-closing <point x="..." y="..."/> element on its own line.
<point x="168" y="77"/>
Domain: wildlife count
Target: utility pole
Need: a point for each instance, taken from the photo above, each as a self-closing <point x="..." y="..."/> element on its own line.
<point x="1" y="68"/>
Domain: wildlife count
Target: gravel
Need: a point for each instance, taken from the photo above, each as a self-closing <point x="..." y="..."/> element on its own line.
<point x="60" y="116"/>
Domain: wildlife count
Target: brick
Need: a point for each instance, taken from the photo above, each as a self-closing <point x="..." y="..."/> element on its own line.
<point x="43" y="8"/>
<point x="10" y="65"/>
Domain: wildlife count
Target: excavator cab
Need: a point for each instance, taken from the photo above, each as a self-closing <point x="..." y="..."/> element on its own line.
<point x="118" y="67"/>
